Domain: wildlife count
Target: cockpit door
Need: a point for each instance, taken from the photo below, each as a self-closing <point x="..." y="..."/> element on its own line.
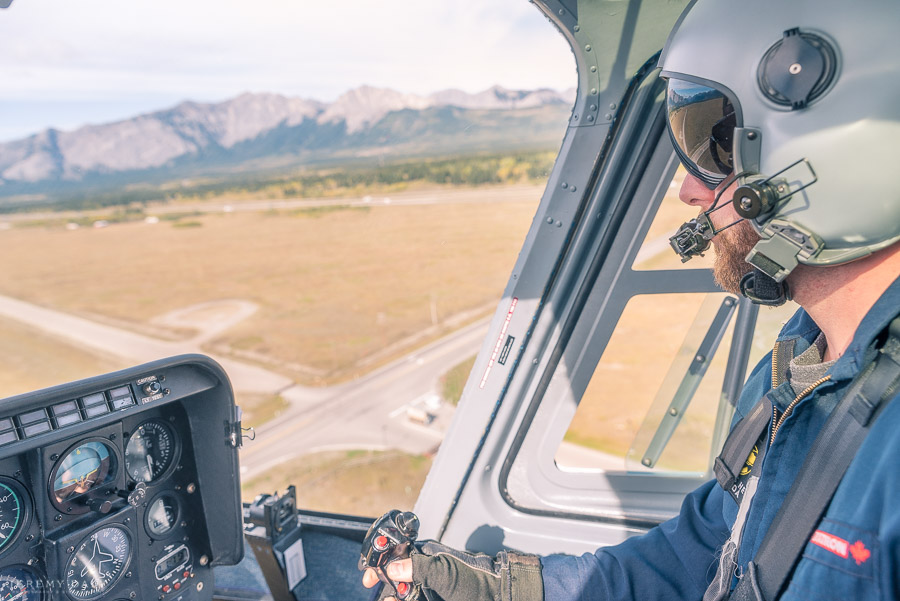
<point x="607" y="379"/>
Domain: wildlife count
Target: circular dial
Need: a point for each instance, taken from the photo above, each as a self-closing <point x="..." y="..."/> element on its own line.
<point x="150" y="451"/>
<point x="162" y="515"/>
<point x="20" y="584"/>
<point x="12" y="514"/>
<point x="97" y="563"/>
<point x="87" y="465"/>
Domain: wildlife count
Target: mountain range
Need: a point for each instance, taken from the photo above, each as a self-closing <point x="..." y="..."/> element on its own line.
<point x="255" y="132"/>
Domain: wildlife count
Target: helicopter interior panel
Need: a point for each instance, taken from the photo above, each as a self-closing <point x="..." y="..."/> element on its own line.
<point x="109" y="487"/>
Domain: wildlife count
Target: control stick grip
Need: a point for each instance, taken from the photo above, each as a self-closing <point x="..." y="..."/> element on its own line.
<point x="390" y="538"/>
<point x="408" y="523"/>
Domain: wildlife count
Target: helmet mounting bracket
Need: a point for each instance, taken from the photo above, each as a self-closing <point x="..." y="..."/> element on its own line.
<point x="797" y="69"/>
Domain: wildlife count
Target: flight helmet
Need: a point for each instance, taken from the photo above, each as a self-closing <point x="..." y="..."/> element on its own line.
<point x="798" y="101"/>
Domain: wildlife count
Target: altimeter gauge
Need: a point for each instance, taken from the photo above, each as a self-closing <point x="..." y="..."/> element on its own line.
<point x="150" y="451"/>
<point x="98" y="562"/>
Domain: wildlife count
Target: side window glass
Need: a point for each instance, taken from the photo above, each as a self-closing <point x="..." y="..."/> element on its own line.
<point x="655" y="397"/>
<point x="644" y="366"/>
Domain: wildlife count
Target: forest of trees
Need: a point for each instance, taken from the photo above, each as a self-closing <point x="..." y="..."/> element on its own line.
<point x="341" y="180"/>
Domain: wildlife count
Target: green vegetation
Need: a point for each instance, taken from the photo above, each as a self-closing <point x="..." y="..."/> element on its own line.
<point x="528" y="167"/>
<point x="179" y="216"/>
<point x="259" y="409"/>
<point x="453" y="382"/>
<point x="130" y="214"/>
<point x="326" y="182"/>
<point x="123" y="214"/>
<point x="315" y="212"/>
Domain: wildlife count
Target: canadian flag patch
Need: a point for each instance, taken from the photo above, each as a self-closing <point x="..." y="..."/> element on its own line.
<point x="859" y="552"/>
<point x="840" y="547"/>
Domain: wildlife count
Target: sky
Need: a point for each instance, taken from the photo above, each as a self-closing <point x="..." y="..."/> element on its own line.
<point x="66" y="63"/>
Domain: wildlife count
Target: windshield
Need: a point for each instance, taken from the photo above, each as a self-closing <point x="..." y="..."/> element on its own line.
<point x="327" y="202"/>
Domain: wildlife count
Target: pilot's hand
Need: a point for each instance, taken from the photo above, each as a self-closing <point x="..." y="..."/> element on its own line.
<point x="446" y="574"/>
<point x="398" y="571"/>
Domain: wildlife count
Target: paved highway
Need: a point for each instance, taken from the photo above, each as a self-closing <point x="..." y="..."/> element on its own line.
<point x="366" y="413"/>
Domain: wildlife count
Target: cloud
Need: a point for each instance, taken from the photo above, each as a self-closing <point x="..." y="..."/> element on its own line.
<point x="212" y="49"/>
<point x="65" y="63"/>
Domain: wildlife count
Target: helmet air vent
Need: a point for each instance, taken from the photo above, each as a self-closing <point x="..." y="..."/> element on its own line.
<point x="797" y="69"/>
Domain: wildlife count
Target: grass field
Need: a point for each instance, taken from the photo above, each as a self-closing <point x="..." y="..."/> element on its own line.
<point x="334" y="285"/>
<point x="33" y="360"/>
<point x="259" y="409"/>
<point x="367" y="483"/>
<point x="621" y="409"/>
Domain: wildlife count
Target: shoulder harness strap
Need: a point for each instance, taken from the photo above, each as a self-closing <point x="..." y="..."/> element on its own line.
<point x="740" y="443"/>
<point x="748" y="432"/>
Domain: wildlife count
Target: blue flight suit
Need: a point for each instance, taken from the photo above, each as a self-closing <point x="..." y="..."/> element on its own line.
<point x="855" y="552"/>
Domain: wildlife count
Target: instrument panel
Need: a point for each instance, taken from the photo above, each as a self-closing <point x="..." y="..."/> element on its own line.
<point x="108" y="486"/>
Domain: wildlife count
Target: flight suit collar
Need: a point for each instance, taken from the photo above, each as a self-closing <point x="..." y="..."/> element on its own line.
<point x="804" y="330"/>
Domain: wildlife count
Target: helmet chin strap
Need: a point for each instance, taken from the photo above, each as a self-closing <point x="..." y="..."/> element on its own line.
<point x="762" y="289"/>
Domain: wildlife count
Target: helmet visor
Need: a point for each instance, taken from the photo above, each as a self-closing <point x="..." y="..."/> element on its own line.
<point x="701" y="122"/>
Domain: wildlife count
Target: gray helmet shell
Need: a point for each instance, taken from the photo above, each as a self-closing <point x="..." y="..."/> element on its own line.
<point x="849" y="135"/>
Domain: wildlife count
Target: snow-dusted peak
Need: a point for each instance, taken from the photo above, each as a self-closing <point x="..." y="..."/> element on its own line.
<point x="366" y="105"/>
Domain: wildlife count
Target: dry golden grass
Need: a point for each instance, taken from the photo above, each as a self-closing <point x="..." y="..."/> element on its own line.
<point x="333" y="286"/>
<point x="259" y="409"/>
<point x="632" y="369"/>
<point x="33" y="360"/>
<point x="367" y="483"/>
<point x="621" y="409"/>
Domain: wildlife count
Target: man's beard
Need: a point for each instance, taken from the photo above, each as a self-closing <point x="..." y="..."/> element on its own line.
<point x="731" y="248"/>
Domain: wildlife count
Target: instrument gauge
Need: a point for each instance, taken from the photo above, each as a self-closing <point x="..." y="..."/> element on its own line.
<point x="90" y="464"/>
<point x="162" y="515"/>
<point x="21" y="584"/>
<point x="150" y="451"/>
<point x="98" y="563"/>
<point x="13" y="511"/>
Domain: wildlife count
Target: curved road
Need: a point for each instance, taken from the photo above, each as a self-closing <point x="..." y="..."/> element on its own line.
<point x="365" y="413"/>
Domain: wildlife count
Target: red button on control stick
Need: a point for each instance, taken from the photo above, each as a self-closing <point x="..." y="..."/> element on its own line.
<point x="402" y="588"/>
<point x="380" y="543"/>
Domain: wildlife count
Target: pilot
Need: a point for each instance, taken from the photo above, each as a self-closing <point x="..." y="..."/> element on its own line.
<point x="786" y="117"/>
